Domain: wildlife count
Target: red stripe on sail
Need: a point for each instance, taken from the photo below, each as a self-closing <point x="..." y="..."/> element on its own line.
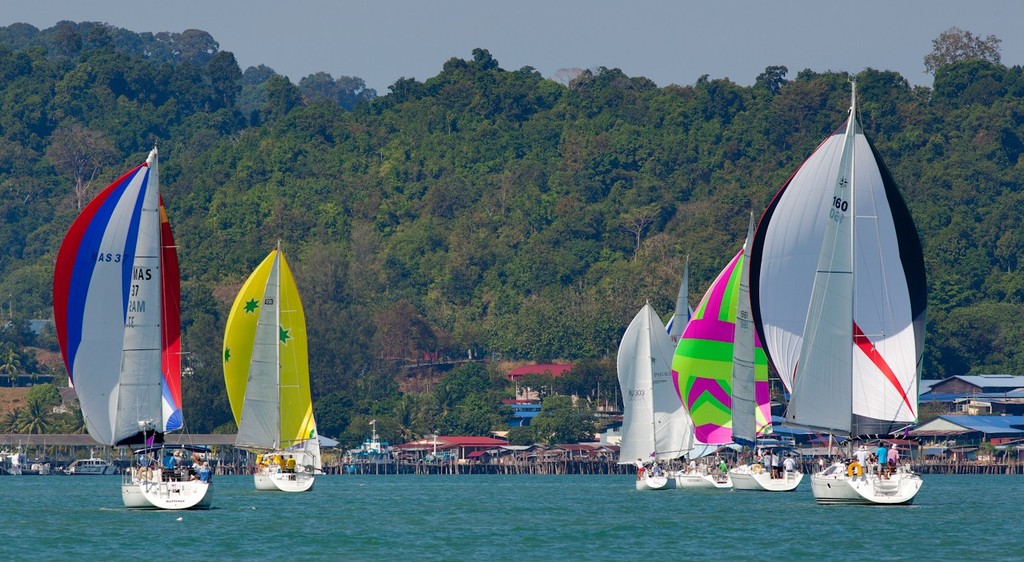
<point x="865" y="345"/>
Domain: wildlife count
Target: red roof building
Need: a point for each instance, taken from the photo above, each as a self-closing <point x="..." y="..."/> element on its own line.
<point x="460" y="446"/>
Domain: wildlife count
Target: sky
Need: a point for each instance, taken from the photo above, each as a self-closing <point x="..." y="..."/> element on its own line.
<point x="667" y="41"/>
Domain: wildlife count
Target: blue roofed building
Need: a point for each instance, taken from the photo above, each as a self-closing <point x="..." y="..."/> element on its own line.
<point x="976" y="394"/>
<point x="971" y="430"/>
<point x="523" y="412"/>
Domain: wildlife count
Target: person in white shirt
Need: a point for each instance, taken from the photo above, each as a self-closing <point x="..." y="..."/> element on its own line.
<point x="862" y="457"/>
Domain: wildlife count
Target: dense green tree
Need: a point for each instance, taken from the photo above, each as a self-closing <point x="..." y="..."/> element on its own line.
<point x="773" y="78"/>
<point x="282" y="97"/>
<point x="225" y="78"/>
<point x="332" y="413"/>
<point x="561" y="421"/>
<point x="480" y="213"/>
<point x="45" y="395"/>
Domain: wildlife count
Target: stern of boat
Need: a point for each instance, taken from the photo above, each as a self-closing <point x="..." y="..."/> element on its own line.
<point x="150" y="491"/>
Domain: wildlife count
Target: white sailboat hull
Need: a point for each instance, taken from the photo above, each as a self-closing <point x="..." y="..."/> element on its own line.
<point x="154" y="493"/>
<point x="836" y="486"/>
<point x="283" y="481"/>
<point x="697" y="481"/>
<point x="743" y="478"/>
<point x="651" y="482"/>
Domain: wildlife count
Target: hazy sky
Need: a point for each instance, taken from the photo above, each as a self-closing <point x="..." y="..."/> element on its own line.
<point x="670" y="42"/>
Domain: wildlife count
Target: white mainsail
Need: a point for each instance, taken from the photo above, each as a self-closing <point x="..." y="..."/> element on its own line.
<point x="683" y="312"/>
<point x="744" y="402"/>
<point x="261" y="412"/>
<point x="655" y="424"/>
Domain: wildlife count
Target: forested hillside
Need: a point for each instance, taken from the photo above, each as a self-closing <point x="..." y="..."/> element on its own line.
<point x="484" y="212"/>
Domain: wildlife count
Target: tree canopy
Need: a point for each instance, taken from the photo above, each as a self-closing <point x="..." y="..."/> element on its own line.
<point x="483" y="214"/>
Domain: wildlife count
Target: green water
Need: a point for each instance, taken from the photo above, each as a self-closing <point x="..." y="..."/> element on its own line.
<point x="494" y="518"/>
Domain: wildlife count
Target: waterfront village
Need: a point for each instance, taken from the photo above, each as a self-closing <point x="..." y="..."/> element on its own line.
<point x="979" y="429"/>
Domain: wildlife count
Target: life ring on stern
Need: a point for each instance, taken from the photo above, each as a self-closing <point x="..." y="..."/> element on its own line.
<point x="756" y="469"/>
<point x="855" y="468"/>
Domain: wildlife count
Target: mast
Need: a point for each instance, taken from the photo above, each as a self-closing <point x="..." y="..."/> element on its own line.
<point x="650" y="358"/>
<point x="851" y="138"/>
<point x="823" y="383"/>
<point x="279" y="438"/>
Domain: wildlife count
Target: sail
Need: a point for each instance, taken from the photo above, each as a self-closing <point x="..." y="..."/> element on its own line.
<point x="683" y="312"/>
<point x="265" y="359"/>
<point x="116" y="309"/>
<point x="838" y="290"/>
<point x="703" y="361"/>
<point x="751" y="397"/>
<point x="655" y="425"/>
<point x="171" y="359"/>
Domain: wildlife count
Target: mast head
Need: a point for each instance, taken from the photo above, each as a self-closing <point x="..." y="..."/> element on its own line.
<point x="853" y="97"/>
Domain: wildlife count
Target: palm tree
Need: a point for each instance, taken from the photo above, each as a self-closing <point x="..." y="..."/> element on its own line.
<point x="71" y="422"/>
<point x="11" y="364"/>
<point x="9" y="422"/>
<point x="33" y="418"/>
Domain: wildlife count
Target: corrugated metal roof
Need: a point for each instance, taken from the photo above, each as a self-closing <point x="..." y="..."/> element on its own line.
<point x="1005" y="425"/>
<point x="993" y="381"/>
<point x="924" y="384"/>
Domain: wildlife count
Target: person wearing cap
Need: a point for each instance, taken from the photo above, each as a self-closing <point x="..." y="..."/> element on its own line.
<point x="894" y="457"/>
<point x="862" y="456"/>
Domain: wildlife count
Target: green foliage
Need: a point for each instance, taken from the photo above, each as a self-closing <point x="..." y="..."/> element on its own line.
<point x="521" y="436"/>
<point x="561" y="421"/>
<point x="483" y="212"/>
<point x="462" y="382"/>
<point x="332" y="413"/>
<point x="45" y="395"/>
<point x="34" y="417"/>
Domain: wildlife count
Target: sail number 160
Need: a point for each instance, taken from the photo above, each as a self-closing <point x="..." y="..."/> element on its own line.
<point x="839" y="208"/>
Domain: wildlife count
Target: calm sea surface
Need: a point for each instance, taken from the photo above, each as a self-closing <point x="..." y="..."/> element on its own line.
<point x="477" y="517"/>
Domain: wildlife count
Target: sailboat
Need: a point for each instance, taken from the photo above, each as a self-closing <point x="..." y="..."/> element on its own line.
<point x="838" y="294"/>
<point x="682" y="314"/>
<point x="116" y="301"/>
<point x="266" y="371"/>
<point x="654" y="424"/>
<point x="721" y="374"/>
<point x="751" y="397"/>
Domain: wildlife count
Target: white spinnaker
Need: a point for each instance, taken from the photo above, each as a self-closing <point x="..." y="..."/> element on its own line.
<point x="790" y="249"/>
